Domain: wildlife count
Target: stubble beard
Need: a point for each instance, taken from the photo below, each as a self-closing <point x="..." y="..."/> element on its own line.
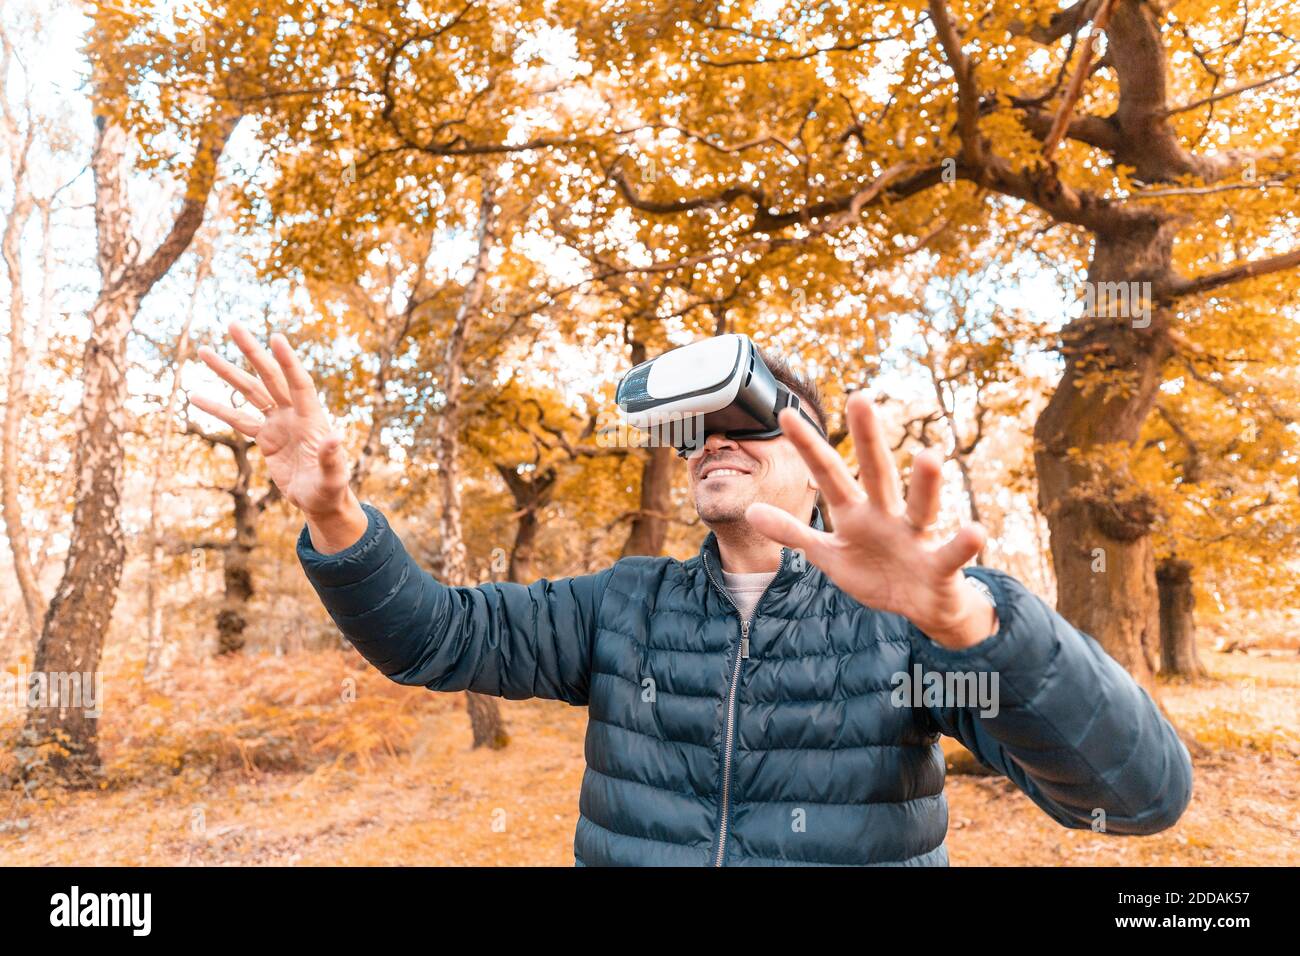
<point x="723" y="512"/>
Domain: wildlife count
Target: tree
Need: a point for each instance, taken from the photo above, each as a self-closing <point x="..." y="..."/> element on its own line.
<point x="24" y="138"/>
<point x="484" y="713"/>
<point x="972" y="353"/>
<point x="60" y="735"/>
<point x="1220" y="461"/>
<point x="236" y="552"/>
<point x="547" y="440"/>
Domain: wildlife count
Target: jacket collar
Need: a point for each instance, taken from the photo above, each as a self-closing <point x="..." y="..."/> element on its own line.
<point x="788" y="572"/>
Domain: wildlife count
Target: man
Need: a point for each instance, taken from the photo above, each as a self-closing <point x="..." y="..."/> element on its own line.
<point x="744" y="705"/>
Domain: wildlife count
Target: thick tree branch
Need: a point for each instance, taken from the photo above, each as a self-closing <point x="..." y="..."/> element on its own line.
<point x="968" y="98"/>
<point x="1067" y="21"/>
<point x="1040" y="186"/>
<point x="203" y="173"/>
<point x="1099" y="132"/>
<point x="1246" y="270"/>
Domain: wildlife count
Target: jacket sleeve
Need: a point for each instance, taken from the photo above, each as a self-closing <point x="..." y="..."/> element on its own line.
<point x="501" y="639"/>
<point x="1072" y="729"/>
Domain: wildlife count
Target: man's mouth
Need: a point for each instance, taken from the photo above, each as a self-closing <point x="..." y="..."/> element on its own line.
<point x="712" y="472"/>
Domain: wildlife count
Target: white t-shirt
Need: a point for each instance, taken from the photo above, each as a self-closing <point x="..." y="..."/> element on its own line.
<point x="746" y="589"/>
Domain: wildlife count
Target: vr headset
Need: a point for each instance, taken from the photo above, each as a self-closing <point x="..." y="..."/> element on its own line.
<point x="714" y="385"/>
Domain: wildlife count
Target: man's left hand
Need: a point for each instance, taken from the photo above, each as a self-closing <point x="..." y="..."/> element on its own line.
<point x="880" y="552"/>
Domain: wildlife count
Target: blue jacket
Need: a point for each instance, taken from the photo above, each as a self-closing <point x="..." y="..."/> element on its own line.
<point x="788" y="740"/>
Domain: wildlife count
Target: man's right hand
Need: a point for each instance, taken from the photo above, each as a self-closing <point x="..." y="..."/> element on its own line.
<point x="303" y="452"/>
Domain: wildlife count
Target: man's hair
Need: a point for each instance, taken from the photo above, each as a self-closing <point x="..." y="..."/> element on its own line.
<point x="809" y="397"/>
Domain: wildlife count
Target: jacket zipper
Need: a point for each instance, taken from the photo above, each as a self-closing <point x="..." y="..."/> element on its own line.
<point x="729" y="738"/>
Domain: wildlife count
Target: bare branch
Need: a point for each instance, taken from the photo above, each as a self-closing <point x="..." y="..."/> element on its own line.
<point x="797" y="57"/>
<point x="1099" y="132"/>
<point x="1209" y="190"/>
<point x="212" y="438"/>
<point x="1234" y="91"/>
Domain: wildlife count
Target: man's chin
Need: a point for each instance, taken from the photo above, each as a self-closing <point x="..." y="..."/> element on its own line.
<point x="721" y="512"/>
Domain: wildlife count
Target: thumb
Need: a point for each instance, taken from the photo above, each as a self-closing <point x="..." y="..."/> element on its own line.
<point x="965" y="544"/>
<point x="783" y="528"/>
<point x="333" y="461"/>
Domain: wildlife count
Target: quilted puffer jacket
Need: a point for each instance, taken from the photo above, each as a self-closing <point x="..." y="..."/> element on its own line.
<point x="781" y="741"/>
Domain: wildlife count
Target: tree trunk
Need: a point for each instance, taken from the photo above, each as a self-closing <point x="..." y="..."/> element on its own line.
<point x="452" y="564"/>
<point x="237" y="573"/>
<point x="452" y="567"/>
<point x="486" y="722"/>
<point x="968" y="485"/>
<point x="236" y="554"/>
<point x="1099" y="521"/>
<point x="521" y="553"/>
<point x="649" y="528"/>
<point x="79" y="614"/>
<point x="237" y="577"/>
<point x="530" y="495"/>
<point x="1178" y="653"/>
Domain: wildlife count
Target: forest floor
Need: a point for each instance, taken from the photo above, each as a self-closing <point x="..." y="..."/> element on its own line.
<point x="314" y="759"/>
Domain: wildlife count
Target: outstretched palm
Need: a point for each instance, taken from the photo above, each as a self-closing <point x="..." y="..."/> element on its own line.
<point x="880" y="552"/>
<point x="303" y="452"/>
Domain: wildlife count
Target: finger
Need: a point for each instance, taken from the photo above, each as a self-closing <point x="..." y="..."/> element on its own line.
<point x="240" y="421"/>
<point x="876" y="464"/>
<point x="923" y="490"/>
<point x="261" y="360"/>
<point x="302" y="390"/>
<point x="965" y="544"/>
<point x="247" y="385"/>
<point x="783" y="528"/>
<point x="828" y="468"/>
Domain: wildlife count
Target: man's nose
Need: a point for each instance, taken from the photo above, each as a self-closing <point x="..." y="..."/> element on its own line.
<point x="713" y="443"/>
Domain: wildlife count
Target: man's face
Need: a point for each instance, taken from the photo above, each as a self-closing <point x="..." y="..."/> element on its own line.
<point x="728" y="475"/>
